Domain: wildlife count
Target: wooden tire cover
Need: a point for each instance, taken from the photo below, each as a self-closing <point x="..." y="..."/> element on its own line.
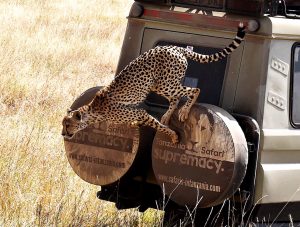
<point x="208" y="164"/>
<point x="102" y="153"/>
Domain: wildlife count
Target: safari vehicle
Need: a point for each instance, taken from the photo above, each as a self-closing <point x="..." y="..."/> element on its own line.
<point x="258" y="86"/>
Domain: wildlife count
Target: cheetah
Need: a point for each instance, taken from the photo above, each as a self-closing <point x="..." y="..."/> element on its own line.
<point x="160" y="70"/>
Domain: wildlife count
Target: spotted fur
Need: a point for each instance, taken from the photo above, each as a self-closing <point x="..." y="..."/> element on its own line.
<point x="159" y="70"/>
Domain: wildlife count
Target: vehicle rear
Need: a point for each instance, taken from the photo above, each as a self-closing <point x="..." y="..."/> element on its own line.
<point x="257" y="85"/>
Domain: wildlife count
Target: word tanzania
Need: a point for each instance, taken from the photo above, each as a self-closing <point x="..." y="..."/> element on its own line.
<point x="196" y="150"/>
<point x="190" y="160"/>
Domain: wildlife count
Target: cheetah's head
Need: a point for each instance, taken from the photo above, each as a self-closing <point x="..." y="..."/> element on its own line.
<point x="72" y="123"/>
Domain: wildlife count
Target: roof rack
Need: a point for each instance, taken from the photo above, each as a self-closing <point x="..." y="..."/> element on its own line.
<point x="287" y="8"/>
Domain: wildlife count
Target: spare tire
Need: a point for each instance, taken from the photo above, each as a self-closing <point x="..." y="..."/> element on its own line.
<point x="102" y="153"/>
<point x="208" y="164"/>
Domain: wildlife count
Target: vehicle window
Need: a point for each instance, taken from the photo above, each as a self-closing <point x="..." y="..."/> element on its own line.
<point x="296" y="87"/>
<point x="208" y="77"/>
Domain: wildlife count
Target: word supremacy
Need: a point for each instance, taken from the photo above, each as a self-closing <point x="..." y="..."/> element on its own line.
<point x="189" y="160"/>
<point x="101" y="140"/>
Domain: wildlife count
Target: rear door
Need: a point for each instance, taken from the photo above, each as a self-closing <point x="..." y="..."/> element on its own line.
<point x="217" y="80"/>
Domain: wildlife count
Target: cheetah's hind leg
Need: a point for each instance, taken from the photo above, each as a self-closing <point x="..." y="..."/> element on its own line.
<point x="192" y="95"/>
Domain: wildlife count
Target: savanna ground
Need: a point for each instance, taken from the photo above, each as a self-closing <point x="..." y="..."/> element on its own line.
<point x="50" y="52"/>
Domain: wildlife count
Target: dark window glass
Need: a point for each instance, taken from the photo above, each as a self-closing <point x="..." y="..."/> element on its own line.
<point x="208" y="77"/>
<point x="296" y="87"/>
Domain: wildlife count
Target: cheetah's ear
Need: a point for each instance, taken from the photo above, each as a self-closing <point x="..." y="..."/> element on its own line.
<point x="77" y="115"/>
<point x="102" y="92"/>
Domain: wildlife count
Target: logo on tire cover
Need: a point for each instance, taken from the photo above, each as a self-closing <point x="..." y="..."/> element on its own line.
<point x="107" y="136"/>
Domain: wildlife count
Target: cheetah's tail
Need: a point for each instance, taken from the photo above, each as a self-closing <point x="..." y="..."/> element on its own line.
<point x="202" y="58"/>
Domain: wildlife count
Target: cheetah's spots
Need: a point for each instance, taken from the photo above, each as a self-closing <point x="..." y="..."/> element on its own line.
<point x="160" y="70"/>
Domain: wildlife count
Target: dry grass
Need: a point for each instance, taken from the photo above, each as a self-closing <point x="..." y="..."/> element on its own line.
<point x="50" y="52"/>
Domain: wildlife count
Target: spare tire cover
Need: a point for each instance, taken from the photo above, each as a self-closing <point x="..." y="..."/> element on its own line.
<point x="208" y="164"/>
<point x="101" y="153"/>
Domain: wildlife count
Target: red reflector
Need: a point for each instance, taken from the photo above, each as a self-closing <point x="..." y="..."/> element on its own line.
<point x="206" y="20"/>
<point x="151" y="13"/>
<point x="167" y="15"/>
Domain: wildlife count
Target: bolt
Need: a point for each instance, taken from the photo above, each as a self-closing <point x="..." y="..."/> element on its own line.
<point x="253" y="25"/>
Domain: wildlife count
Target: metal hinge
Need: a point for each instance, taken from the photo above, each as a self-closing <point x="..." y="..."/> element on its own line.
<point x="280" y="66"/>
<point x="276" y="100"/>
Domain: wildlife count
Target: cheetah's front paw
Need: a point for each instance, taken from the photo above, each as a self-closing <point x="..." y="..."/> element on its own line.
<point x="165" y="119"/>
<point x="174" y="138"/>
<point x="183" y="114"/>
<point x="134" y="124"/>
